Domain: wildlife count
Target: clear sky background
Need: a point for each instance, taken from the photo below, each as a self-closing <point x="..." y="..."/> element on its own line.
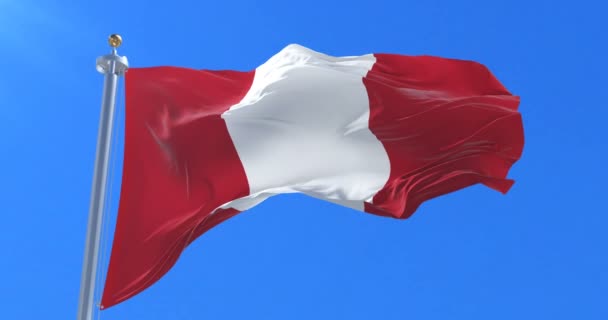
<point x="540" y="252"/>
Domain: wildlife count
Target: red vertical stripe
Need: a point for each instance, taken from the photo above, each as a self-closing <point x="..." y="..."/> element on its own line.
<point x="445" y="124"/>
<point x="179" y="165"/>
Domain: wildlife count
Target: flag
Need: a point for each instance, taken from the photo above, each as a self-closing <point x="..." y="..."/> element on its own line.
<point x="379" y="133"/>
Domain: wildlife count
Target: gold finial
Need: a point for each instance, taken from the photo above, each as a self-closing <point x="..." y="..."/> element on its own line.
<point x="115" y="40"/>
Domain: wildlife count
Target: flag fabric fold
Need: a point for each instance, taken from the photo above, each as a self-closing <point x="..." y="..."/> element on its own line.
<point x="379" y="133"/>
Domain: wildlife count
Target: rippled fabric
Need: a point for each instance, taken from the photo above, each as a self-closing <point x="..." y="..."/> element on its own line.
<point x="379" y="133"/>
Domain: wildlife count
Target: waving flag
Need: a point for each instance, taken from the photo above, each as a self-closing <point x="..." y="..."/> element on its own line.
<point x="378" y="133"/>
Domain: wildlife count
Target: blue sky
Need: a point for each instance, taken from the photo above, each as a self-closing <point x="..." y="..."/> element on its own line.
<point x="540" y="252"/>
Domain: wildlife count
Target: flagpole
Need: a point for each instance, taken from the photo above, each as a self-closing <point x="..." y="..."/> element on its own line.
<point x="112" y="66"/>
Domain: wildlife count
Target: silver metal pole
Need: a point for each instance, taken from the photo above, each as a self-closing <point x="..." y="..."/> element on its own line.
<point x="112" y="66"/>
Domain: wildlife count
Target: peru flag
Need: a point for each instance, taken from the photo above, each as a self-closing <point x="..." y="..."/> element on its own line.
<point x="379" y="133"/>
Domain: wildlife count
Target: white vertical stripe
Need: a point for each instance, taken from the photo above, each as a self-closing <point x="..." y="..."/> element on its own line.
<point x="303" y="127"/>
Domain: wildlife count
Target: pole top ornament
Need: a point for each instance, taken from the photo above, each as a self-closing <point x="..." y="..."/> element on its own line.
<point x="115" y="40"/>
